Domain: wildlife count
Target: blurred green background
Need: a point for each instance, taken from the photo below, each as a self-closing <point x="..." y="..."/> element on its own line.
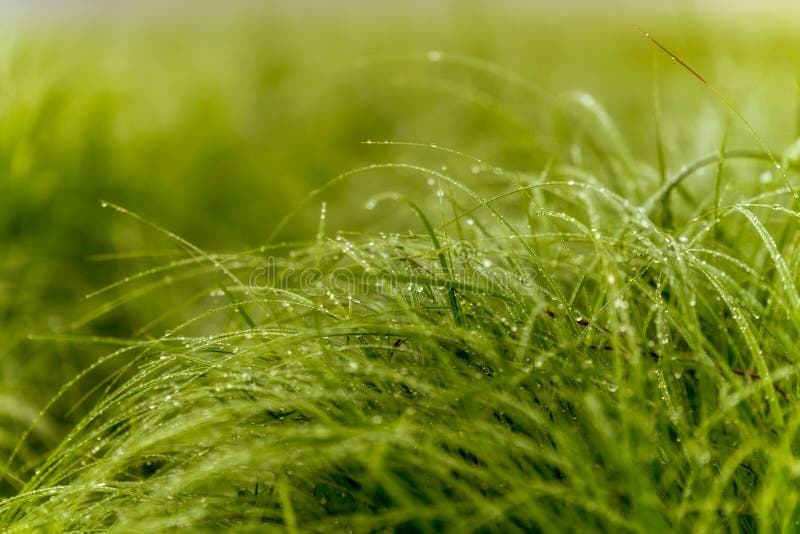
<point x="214" y="122"/>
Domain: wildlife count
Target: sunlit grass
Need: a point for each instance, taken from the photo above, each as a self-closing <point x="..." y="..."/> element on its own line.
<point x="502" y="370"/>
<point x="533" y="323"/>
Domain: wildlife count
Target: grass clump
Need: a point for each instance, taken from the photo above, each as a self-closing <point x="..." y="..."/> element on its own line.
<point x="571" y="338"/>
<point x="545" y="353"/>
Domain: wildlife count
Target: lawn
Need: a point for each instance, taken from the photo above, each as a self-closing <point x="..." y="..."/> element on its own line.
<point x="461" y="267"/>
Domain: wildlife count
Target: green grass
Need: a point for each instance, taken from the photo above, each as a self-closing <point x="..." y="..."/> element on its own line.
<point x="354" y="278"/>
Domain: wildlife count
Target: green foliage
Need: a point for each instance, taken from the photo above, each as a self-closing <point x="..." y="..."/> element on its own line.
<point x="448" y="298"/>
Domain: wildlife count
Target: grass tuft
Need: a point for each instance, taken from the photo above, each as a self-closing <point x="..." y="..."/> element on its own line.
<point x="500" y="342"/>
